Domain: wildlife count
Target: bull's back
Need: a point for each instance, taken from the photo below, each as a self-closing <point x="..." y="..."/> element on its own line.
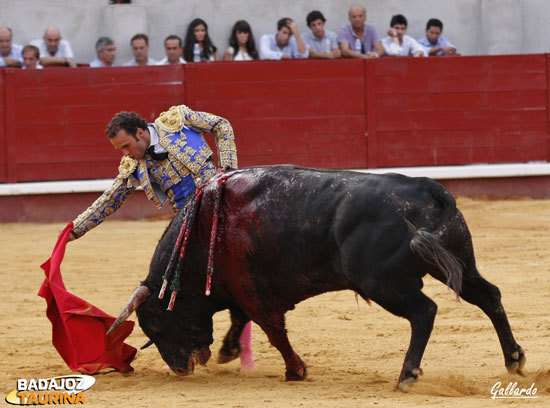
<point x="296" y="230"/>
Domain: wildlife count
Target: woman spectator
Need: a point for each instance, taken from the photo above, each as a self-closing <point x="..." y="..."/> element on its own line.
<point x="242" y="46"/>
<point x="197" y="34"/>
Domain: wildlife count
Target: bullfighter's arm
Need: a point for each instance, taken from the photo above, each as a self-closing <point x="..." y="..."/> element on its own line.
<point x="109" y="201"/>
<point x="204" y="122"/>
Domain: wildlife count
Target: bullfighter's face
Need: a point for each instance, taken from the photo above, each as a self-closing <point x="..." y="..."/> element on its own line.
<point x="131" y="146"/>
<point x="182" y="340"/>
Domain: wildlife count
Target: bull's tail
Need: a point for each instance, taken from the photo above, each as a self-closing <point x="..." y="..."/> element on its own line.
<point x="428" y="247"/>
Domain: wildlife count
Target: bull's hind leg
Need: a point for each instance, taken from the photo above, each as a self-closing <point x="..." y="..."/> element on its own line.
<point x="406" y="299"/>
<point x="277" y="335"/>
<point x="478" y="291"/>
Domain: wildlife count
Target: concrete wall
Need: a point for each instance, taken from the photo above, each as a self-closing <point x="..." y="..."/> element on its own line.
<point x="476" y="27"/>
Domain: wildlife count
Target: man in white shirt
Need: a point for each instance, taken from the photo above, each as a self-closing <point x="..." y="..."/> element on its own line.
<point x="106" y="53"/>
<point x="397" y="43"/>
<point x="10" y="54"/>
<point x="54" y="50"/>
<point x="174" y="49"/>
<point x="285" y="44"/>
<point x="321" y="43"/>
<point x="140" y="48"/>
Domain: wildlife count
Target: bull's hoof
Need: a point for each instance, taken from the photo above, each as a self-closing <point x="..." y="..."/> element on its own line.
<point x="228" y="354"/>
<point x="516" y="361"/>
<point x="296" y="375"/>
<point x="409" y="379"/>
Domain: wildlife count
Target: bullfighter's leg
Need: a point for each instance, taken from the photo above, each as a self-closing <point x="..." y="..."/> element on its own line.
<point x="408" y="301"/>
<point x="277" y="335"/>
<point x="237" y="342"/>
<point x="247" y="358"/>
<point x="478" y="291"/>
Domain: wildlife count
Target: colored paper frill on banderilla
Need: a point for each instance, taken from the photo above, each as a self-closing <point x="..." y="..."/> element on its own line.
<point x="79" y="329"/>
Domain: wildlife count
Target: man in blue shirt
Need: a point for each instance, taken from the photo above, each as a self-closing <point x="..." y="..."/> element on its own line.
<point x="321" y="43"/>
<point x="433" y="42"/>
<point x="285" y="44"/>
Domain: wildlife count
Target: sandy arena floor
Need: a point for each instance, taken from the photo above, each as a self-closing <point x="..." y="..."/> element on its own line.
<point x="354" y="351"/>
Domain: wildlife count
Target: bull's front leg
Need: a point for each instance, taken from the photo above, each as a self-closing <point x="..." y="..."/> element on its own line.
<point x="231" y="348"/>
<point x="295" y="367"/>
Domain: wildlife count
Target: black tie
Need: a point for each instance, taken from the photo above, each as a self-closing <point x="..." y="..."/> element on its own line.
<point x="156" y="156"/>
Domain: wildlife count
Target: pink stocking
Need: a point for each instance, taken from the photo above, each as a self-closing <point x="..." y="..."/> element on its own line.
<point x="247" y="359"/>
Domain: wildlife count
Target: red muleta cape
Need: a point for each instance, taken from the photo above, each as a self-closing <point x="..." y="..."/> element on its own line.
<point x="79" y="329"/>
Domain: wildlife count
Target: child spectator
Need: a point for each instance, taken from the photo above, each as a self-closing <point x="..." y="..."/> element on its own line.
<point x="31" y="56"/>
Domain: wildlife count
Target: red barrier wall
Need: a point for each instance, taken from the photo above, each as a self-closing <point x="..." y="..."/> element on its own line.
<point x="459" y="110"/>
<point x="56" y="118"/>
<point x="389" y="112"/>
<point x="310" y="113"/>
<point x="3" y="144"/>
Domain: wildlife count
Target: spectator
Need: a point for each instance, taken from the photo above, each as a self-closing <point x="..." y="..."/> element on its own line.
<point x="397" y="43"/>
<point x="242" y="46"/>
<point x="433" y="42"/>
<point x="106" y="53"/>
<point x="359" y="40"/>
<point x="54" y="51"/>
<point x="174" y="49"/>
<point x="320" y="42"/>
<point x="31" y="56"/>
<point x="140" y="49"/>
<point x="10" y="54"/>
<point x="285" y="44"/>
<point x="198" y="46"/>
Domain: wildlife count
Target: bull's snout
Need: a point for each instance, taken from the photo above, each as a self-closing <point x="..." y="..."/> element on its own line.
<point x="198" y="356"/>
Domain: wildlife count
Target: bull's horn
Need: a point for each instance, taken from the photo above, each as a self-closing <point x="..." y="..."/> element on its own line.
<point x="139" y="295"/>
<point x="149" y="342"/>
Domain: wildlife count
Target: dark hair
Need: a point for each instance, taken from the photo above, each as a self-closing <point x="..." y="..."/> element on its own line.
<point x="31" y="48"/>
<point x="242" y="26"/>
<point x="207" y="47"/>
<point x="398" y="19"/>
<point x="173" y="37"/>
<point x="314" y="15"/>
<point x="283" y="22"/>
<point x="128" y="121"/>
<point x="140" y="36"/>
<point x="102" y="42"/>
<point x="434" y="22"/>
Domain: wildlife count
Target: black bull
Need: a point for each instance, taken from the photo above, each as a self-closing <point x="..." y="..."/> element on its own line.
<point x="287" y="233"/>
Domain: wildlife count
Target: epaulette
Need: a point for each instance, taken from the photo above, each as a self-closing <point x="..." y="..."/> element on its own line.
<point x="171" y="120"/>
<point x="126" y="167"/>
